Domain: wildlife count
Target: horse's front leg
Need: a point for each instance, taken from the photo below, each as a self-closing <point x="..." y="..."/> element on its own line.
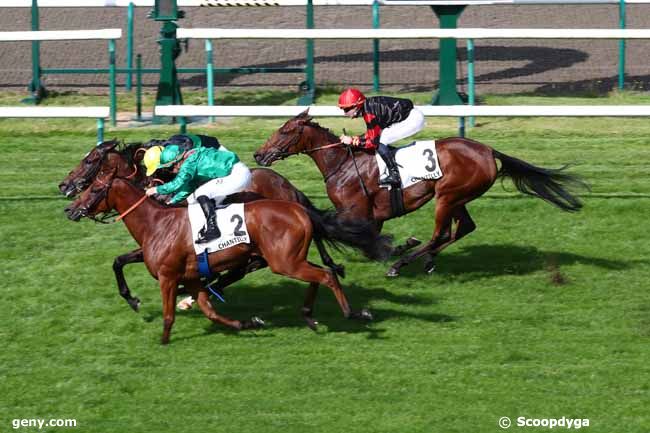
<point x="168" y="288"/>
<point x="134" y="256"/>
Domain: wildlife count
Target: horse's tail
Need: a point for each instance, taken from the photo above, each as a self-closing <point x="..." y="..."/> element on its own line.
<point x="307" y="204"/>
<point x="358" y="234"/>
<point x="550" y="185"/>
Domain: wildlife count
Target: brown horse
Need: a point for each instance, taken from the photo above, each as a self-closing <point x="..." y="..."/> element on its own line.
<point x="280" y="234"/>
<point x="469" y="170"/>
<point x="265" y="183"/>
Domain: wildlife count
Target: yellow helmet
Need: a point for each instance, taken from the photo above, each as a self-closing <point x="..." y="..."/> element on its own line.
<point x="151" y="159"/>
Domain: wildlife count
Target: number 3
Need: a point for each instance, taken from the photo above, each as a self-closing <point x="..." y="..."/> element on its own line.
<point x="428" y="153"/>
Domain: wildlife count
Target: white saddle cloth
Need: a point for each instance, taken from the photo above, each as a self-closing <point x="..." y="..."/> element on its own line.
<point x="231" y="223"/>
<point x="416" y="162"/>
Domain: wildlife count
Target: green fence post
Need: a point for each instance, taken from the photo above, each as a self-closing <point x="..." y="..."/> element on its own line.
<point x="138" y="87"/>
<point x="209" y="73"/>
<point x="100" y="131"/>
<point x="621" y="46"/>
<point x="35" y="87"/>
<point x="129" y="46"/>
<point x="375" y="47"/>
<point x="183" y="125"/>
<point x="309" y="87"/>
<point x="470" y="77"/>
<point x="111" y="72"/>
<point x="447" y="95"/>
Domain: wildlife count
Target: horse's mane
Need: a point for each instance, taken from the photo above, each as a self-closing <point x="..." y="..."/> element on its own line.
<point x="312" y="123"/>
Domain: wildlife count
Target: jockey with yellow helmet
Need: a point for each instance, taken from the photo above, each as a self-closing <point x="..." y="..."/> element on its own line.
<point x="204" y="176"/>
<point x="387" y="120"/>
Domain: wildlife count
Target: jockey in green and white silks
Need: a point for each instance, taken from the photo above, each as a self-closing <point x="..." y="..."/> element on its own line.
<point x="205" y="176"/>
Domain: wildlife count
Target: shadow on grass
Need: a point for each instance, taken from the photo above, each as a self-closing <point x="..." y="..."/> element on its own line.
<point x="279" y="306"/>
<point x="484" y="261"/>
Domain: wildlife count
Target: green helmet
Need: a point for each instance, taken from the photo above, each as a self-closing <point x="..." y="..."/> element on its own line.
<point x="170" y="155"/>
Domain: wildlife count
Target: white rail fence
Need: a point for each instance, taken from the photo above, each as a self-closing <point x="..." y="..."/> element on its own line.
<point x="227" y="3"/>
<point x="61" y="35"/>
<point x="99" y="113"/>
<point x="464" y="33"/>
<point x="427" y="110"/>
<point x="460" y="111"/>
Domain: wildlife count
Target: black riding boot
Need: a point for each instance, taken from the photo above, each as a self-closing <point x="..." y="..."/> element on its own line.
<point x="393" y="172"/>
<point x="210" y="231"/>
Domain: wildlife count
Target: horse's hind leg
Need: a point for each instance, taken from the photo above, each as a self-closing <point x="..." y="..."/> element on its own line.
<point x="465" y="225"/>
<point x="308" y="306"/>
<point x="203" y="299"/>
<point x="327" y="259"/>
<point x="311" y="273"/>
<point x="134" y="256"/>
<point x="441" y="235"/>
<point x="410" y="243"/>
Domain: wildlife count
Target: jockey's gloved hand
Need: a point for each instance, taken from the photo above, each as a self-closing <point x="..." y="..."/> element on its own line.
<point x="346" y="139"/>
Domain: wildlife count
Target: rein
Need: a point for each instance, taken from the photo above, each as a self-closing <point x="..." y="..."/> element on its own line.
<point x="308" y="151"/>
<point x="128" y="211"/>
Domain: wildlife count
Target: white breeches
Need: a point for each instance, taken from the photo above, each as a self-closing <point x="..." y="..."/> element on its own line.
<point x="407" y="127"/>
<point x="217" y="189"/>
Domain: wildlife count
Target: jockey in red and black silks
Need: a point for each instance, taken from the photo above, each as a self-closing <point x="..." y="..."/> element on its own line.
<point x="387" y="120"/>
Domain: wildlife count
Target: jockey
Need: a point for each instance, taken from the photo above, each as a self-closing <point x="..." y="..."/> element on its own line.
<point x="204" y="175"/>
<point x="387" y="121"/>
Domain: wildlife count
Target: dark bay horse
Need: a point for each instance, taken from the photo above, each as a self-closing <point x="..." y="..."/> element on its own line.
<point x="126" y="159"/>
<point x="280" y="234"/>
<point x="469" y="170"/>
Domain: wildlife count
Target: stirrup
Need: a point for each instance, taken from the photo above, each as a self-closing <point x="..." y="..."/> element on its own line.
<point x="390" y="180"/>
<point x="207" y="236"/>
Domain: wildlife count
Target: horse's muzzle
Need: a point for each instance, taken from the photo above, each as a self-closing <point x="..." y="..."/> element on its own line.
<point x="74" y="213"/>
<point x="264" y="159"/>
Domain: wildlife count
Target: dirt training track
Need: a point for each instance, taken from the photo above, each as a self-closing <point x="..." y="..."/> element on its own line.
<point x="554" y="66"/>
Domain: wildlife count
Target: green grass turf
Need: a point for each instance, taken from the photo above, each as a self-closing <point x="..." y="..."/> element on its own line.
<point x="538" y="313"/>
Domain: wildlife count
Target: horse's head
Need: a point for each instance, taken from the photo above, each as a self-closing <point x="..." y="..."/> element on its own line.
<point x="83" y="174"/>
<point x="286" y="141"/>
<point x="104" y="156"/>
<point x="94" y="199"/>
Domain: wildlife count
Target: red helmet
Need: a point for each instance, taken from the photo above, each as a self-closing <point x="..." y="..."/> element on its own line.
<point x="351" y="98"/>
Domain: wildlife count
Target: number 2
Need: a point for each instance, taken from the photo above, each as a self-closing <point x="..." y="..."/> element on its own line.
<point x="240" y="222"/>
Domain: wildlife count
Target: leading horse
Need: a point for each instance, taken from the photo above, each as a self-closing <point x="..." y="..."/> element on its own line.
<point x="469" y="170"/>
<point x="126" y="159"/>
<point x="280" y="234"/>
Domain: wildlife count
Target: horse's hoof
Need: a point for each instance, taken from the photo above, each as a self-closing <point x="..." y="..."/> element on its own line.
<point x="413" y="242"/>
<point x="392" y="272"/>
<point x="254" y="323"/>
<point x="313" y="324"/>
<point x="365" y="314"/>
<point x="430" y="268"/>
<point x="135" y="304"/>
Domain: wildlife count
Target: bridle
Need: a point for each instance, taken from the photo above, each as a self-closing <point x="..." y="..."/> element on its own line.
<point x="284" y="153"/>
<point x="83" y="182"/>
<point x="102" y="194"/>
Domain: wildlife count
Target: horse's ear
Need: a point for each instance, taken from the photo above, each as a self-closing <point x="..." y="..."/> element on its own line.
<point x="304" y="116"/>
